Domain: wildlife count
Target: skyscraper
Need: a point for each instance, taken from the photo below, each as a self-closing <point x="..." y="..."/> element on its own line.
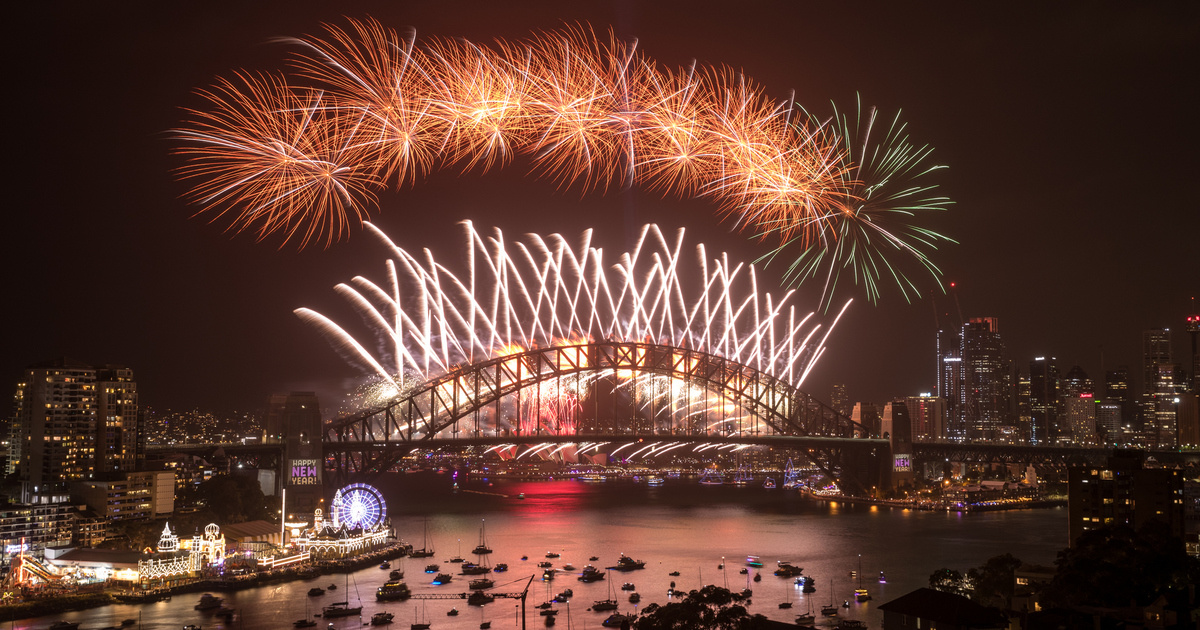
<point x="72" y="419"/>
<point x="928" y="416"/>
<point x="1043" y="401"/>
<point x="840" y="401"/>
<point x="1156" y="351"/>
<point x="985" y="378"/>
<point x="950" y="381"/>
<point x="1116" y="390"/>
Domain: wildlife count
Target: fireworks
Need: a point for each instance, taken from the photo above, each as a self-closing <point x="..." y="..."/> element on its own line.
<point x="379" y="108"/>
<point x="543" y="291"/>
<point x="886" y="181"/>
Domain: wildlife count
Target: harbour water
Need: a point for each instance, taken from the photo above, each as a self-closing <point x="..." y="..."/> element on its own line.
<point x="680" y="526"/>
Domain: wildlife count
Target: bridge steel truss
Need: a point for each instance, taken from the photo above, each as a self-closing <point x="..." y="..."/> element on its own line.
<point x="463" y="405"/>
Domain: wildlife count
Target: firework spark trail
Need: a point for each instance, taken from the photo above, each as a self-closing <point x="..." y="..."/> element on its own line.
<point x="514" y="296"/>
<point x="886" y="187"/>
<point x="590" y="112"/>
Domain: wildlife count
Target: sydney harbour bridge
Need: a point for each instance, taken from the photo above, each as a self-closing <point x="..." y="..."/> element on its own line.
<point x="549" y="349"/>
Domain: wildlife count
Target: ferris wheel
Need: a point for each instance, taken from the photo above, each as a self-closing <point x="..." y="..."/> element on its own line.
<point x="358" y="506"/>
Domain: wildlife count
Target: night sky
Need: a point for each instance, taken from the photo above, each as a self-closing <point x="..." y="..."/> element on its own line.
<point x="1071" y="132"/>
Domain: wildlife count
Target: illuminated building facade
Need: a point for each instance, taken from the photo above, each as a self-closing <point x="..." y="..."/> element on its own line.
<point x="295" y="420"/>
<point x="131" y="496"/>
<point x="1043" y="401"/>
<point x="928" y="415"/>
<point x="1123" y="492"/>
<point x="950" y="380"/>
<point x="984" y="397"/>
<point x="1080" y="413"/>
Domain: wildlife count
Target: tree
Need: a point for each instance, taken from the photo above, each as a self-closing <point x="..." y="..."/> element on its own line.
<point x="233" y="499"/>
<point x="992" y="584"/>
<point x="1113" y="566"/>
<point x="706" y="609"/>
<point x="949" y="581"/>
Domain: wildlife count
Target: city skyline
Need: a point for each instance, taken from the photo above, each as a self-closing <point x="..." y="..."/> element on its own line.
<point x="1034" y="117"/>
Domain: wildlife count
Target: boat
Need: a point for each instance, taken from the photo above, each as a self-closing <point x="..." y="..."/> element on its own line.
<point x="625" y="563"/>
<point x="674" y="574"/>
<point x="628" y="586"/>
<point x="453" y="612"/>
<point x="634" y="598"/>
<point x="712" y="478"/>
<point x="470" y="568"/>
<point x="479" y="598"/>
<point x="432" y="568"/>
<point x="655" y="481"/>
<point x="340" y="609"/>
<point x="442" y="578"/>
<point x="208" y="602"/>
<point x="830" y="610"/>
<point x="860" y="593"/>
<point x="500" y="568"/>
<point x="850" y="624"/>
<point x="809" y="585"/>
<point x="545" y="564"/>
<point x="382" y="618"/>
<point x="568" y="567"/>
<point x="64" y="625"/>
<point x="128" y="622"/>
<point x="548" y="612"/>
<point x="304" y="623"/>
<point x="396" y="575"/>
<point x="426" y="551"/>
<point x="744" y="571"/>
<point x="787" y="569"/>
<point x="808" y="617"/>
<point x="591" y="574"/>
<point x="385" y="565"/>
<point x="593" y="558"/>
<point x="606" y="604"/>
<point x="480" y="583"/>
<point x="484" y="625"/>
<point x="551" y="554"/>
<point x="616" y="619"/>
<point x="316" y="591"/>
<point x="753" y="561"/>
<point x="392" y="591"/>
<point x="769" y="483"/>
<point x="757" y="576"/>
<point x="482" y="548"/>
<point x="421" y="624"/>
<point x="743" y="477"/>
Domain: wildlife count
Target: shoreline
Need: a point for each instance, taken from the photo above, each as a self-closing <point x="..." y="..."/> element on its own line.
<point x="88" y="597"/>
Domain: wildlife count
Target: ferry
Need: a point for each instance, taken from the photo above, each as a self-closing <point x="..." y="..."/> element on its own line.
<point x="393" y="591"/>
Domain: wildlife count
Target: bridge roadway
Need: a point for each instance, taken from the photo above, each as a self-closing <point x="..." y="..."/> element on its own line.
<point x="927" y="451"/>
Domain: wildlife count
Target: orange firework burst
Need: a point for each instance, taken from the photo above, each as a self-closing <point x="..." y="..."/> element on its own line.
<point x="591" y="112"/>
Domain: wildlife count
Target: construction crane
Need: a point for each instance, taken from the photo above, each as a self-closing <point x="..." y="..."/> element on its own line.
<point x="521" y="596"/>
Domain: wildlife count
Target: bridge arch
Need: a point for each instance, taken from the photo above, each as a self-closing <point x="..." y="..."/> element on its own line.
<point x="669" y="393"/>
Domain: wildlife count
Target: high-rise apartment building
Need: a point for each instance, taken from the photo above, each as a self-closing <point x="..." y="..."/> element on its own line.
<point x="1043" y="401"/>
<point x="1124" y="492"/>
<point x="72" y="418"/>
<point x="118" y="423"/>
